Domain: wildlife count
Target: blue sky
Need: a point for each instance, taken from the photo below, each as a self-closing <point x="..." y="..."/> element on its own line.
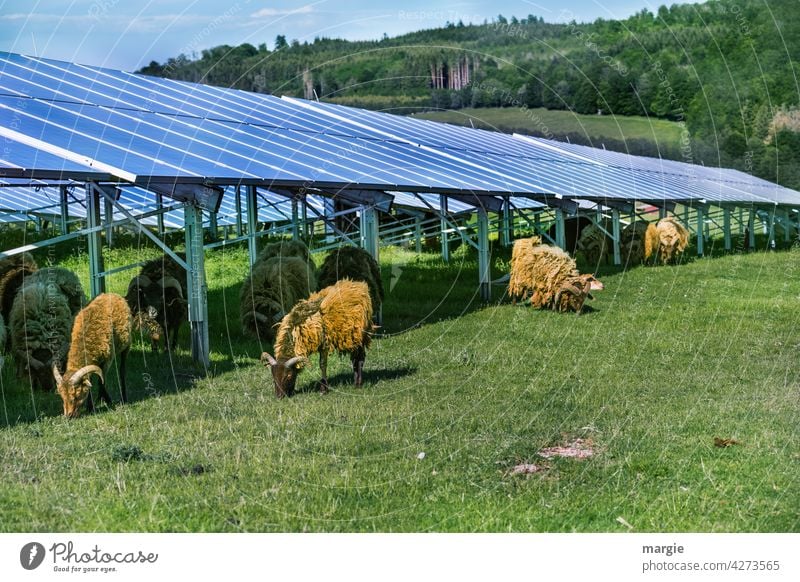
<point x="125" y="34"/>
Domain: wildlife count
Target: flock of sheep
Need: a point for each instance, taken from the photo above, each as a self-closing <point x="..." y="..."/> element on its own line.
<point x="59" y="342"/>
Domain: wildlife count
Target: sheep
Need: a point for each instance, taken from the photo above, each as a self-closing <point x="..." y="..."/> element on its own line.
<point x="3" y="334"/>
<point x="633" y="241"/>
<point x="337" y="318"/>
<point x="66" y="281"/>
<point x="158" y="307"/>
<point x="275" y="284"/>
<point x="13" y="272"/>
<point x="594" y="244"/>
<point x="101" y="331"/>
<point x="285" y="248"/>
<point x="519" y="284"/>
<point x="41" y="321"/>
<point x="573" y="227"/>
<point x="356" y="264"/>
<point x="670" y="240"/>
<point x="550" y="277"/>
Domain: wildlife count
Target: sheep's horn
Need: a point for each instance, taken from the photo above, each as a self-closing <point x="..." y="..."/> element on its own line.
<point x="278" y="317"/>
<point x="92" y="368"/>
<point x="56" y="373"/>
<point x="141" y="281"/>
<point x="268" y="360"/>
<point x="291" y="363"/>
<point x="36" y="364"/>
<point x="260" y="317"/>
<point x="172" y="282"/>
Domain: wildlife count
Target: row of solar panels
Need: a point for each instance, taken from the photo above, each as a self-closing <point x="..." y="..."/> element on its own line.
<point x="68" y="120"/>
<point x="19" y="204"/>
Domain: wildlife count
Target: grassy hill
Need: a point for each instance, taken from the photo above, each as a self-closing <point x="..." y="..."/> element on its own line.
<point x="669" y="359"/>
<point x="639" y="135"/>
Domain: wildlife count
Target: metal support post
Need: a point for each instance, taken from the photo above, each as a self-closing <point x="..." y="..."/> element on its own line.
<point x="771" y="230"/>
<point x="615" y="230"/>
<point x="108" y="213"/>
<point x="160" y="217"/>
<point x="370" y="241"/>
<point x="304" y="216"/>
<point x="443" y="228"/>
<point x="239" y="226"/>
<point x="561" y="240"/>
<point x="418" y="233"/>
<point x="726" y="227"/>
<point x="295" y="220"/>
<point x="506" y="227"/>
<point x="787" y="232"/>
<point x="483" y="255"/>
<point x="196" y="283"/>
<point x="700" y="231"/>
<point x="662" y="212"/>
<point x="251" y="195"/>
<point x="751" y="228"/>
<point x="64" y="218"/>
<point x="212" y="225"/>
<point x="97" y="283"/>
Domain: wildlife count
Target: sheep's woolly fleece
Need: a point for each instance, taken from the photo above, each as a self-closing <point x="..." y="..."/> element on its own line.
<point x="594" y="244"/>
<point x="519" y="283"/>
<point x="632" y="242"/>
<point x="13" y="272"/>
<point x="337" y="318"/>
<point x="356" y="264"/>
<point x="101" y="329"/>
<point x="67" y="283"/>
<point x="673" y="238"/>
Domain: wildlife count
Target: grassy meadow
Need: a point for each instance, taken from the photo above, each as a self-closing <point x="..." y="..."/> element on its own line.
<point x="545" y="121"/>
<point x="456" y="394"/>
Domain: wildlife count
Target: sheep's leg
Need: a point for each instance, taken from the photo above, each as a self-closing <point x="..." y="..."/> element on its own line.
<point x="323" y="366"/>
<point x="122" y="384"/>
<point x="358" y="358"/>
<point x="104" y="395"/>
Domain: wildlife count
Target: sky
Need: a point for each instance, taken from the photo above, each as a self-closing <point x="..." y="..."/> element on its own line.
<point x="126" y="34"/>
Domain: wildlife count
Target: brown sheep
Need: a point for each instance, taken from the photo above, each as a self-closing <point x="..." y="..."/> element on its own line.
<point x="13" y="272"/>
<point x="671" y="240"/>
<point x="550" y="277"/>
<point x="634" y="242"/>
<point x="519" y="283"/>
<point x="337" y="318"/>
<point x="102" y="330"/>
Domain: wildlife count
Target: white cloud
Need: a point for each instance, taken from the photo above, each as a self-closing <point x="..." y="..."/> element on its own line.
<point x="271" y="12"/>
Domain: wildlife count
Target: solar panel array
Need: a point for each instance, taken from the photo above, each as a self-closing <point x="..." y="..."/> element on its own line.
<point x="65" y="120"/>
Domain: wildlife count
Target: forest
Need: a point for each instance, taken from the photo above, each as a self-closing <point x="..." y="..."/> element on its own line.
<point x="724" y="70"/>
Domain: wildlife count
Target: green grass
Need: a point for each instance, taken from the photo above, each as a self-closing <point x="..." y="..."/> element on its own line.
<point x="669" y="358"/>
<point x="544" y="121"/>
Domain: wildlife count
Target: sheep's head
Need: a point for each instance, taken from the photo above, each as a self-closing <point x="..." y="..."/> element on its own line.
<point x="35" y="367"/>
<point x="75" y="388"/>
<point x="284" y="372"/>
<point x="574" y="292"/>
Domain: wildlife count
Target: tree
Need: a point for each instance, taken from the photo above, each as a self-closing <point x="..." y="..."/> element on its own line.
<point x="280" y="42"/>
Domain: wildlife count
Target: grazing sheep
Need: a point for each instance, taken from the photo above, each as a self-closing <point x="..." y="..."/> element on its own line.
<point x="550" y="277"/>
<point x="285" y="248"/>
<point x="3" y="334"/>
<point x="13" y="272"/>
<point x="158" y="307"/>
<point x="165" y="266"/>
<point x="634" y="241"/>
<point x="670" y="242"/>
<point x="338" y="318"/>
<point x="573" y="227"/>
<point x="276" y="282"/>
<point x="66" y="281"/>
<point x="40" y="324"/>
<point x="519" y="283"/>
<point x="102" y="330"/>
<point x="594" y="244"/>
<point x="356" y="264"/>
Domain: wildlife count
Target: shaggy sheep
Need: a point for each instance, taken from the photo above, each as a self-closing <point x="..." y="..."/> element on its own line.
<point x="634" y="240"/>
<point x="158" y="307"/>
<point x="356" y="264"/>
<point x="549" y="276"/>
<point x="40" y="324"/>
<point x="594" y="244"/>
<point x="13" y="272"/>
<point x="102" y="330"/>
<point x="3" y="334"/>
<point x="275" y="284"/>
<point x="285" y="248"/>
<point x="67" y="283"/>
<point x="338" y="318"/>
<point x="520" y="279"/>
<point x="672" y="238"/>
<point x="573" y="227"/>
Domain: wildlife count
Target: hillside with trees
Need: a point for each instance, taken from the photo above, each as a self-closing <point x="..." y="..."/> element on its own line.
<point x="725" y="71"/>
